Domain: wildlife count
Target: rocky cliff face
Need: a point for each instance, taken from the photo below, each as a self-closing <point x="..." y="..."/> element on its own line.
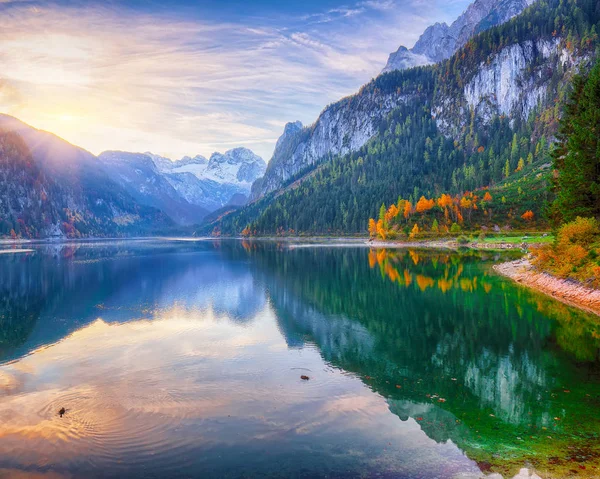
<point x="347" y="125"/>
<point x="440" y="41"/>
<point x="512" y="83"/>
<point x="342" y="128"/>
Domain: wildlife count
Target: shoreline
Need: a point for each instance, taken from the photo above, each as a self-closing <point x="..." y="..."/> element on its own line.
<point x="447" y="244"/>
<point x="564" y="290"/>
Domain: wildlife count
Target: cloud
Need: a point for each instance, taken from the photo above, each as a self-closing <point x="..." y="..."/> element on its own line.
<point x="109" y="77"/>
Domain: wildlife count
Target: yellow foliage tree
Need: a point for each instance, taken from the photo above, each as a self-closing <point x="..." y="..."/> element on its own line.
<point x="372" y="227"/>
<point x="391" y="213"/>
<point x="407" y="209"/>
<point x="415" y="231"/>
<point x="381" y="231"/>
<point x="424" y="204"/>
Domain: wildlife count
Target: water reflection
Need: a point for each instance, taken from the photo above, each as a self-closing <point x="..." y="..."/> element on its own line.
<point x="184" y="359"/>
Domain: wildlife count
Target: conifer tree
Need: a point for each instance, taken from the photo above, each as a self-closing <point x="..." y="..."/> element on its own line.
<point x="577" y="153"/>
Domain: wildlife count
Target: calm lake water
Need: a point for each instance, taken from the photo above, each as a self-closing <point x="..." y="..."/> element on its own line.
<point x="184" y="359"/>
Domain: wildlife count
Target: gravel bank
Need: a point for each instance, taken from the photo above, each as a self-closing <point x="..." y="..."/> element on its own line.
<point x="567" y="291"/>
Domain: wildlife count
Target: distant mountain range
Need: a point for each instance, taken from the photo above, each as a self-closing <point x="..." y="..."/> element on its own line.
<point x="187" y="189"/>
<point x="51" y="188"/>
<point x="466" y="107"/>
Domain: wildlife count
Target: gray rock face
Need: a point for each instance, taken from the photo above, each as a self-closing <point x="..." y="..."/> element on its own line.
<point x="341" y="128"/>
<point x="237" y="165"/>
<point x="512" y="83"/>
<point x="440" y="41"/>
<point x="347" y="125"/>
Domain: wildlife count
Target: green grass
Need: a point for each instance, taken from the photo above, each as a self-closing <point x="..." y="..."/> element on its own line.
<point x="529" y="238"/>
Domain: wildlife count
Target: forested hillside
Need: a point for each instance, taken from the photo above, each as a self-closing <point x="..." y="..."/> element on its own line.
<point x="50" y="188"/>
<point x="484" y="118"/>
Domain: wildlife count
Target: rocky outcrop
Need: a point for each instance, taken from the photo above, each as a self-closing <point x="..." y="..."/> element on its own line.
<point x="440" y="41"/>
<point x="341" y="128"/>
<point x="511" y="83"/>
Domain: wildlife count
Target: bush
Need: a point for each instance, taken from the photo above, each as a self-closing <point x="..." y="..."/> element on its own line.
<point x="582" y="232"/>
<point x="462" y="239"/>
<point x="574" y="253"/>
<point x="455" y="228"/>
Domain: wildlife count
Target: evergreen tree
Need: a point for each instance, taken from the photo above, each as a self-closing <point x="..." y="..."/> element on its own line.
<point x="577" y="154"/>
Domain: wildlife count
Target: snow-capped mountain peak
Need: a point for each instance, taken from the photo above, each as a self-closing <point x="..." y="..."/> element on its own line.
<point x="195" y="181"/>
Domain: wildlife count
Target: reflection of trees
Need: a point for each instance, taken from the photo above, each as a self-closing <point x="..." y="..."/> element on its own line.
<point x="576" y="332"/>
<point x="425" y="319"/>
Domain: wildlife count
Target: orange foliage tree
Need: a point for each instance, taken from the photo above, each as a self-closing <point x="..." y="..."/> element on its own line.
<point x="424" y="205"/>
<point x="527" y="216"/>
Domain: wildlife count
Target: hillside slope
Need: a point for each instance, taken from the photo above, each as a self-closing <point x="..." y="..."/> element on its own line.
<point x="468" y="122"/>
<point x="50" y="188"/>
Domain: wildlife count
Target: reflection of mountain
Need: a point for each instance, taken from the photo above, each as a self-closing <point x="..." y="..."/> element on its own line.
<point x="47" y="295"/>
<point x="476" y="359"/>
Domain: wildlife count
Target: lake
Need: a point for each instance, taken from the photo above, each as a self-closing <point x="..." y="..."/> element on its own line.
<point x="184" y="359"/>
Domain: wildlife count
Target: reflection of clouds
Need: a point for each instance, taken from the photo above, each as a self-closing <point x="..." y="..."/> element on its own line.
<point x="178" y="394"/>
<point x="61" y="288"/>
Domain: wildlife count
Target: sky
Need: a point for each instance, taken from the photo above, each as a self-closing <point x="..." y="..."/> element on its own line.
<point x="193" y="77"/>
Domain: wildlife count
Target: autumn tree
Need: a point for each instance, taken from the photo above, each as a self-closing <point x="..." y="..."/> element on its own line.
<point x="527" y="216"/>
<point x="424" y="205"/>
<point x="391" y="213"/>
<point x="407" y="209"/>
<point x="381" y="230"/>
<point x="372" y="227"/>
<point x="415" y="231"/>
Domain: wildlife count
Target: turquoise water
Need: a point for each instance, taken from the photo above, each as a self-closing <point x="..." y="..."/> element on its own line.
<point x="184" y="359"/>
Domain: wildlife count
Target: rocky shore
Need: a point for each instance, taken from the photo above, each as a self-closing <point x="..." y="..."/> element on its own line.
<point x="567" y="291"/>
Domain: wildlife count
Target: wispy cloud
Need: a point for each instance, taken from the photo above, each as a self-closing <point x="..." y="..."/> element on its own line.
<point x="109" y="77"/>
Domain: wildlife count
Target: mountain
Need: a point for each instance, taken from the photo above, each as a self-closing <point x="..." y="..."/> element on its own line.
<point x="139" y="176"/>
<point x="440" y="41"/>
<point x="347" y="125"/>
<point x="464" y="123"/>
<point x="49" y="187"/>
<point x="186" y="189"/>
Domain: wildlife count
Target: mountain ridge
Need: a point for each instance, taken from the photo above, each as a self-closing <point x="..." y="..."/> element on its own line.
<point x="440" y="40"/>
